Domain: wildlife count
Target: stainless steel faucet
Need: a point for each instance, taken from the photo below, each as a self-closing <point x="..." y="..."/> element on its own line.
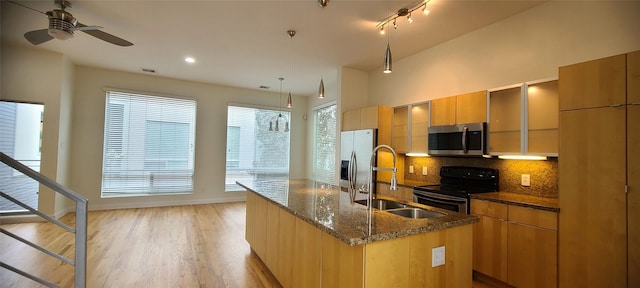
<point x="394" y="180"/>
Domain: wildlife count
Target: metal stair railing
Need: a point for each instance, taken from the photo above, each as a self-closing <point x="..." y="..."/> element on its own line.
<point x="80" y="231"/>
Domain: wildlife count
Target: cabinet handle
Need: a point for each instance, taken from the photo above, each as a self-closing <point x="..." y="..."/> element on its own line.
<point x="635" y="103"/>
<point x="616" y="105"/>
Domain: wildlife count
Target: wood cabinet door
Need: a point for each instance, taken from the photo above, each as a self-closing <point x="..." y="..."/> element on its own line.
<point x="419" y="128"/>
<point x="384" y="116"/>
<point x="490" y="247"/>
<point x="286" y="240"/>
<point x="542" y="103"/>
<point x="400" y="131"/>
<point x="471" y="107"/>
<point x="272" y="249"/>
<point x="351" y="120"/>
<point x="505" y="125"/>
<point x="249" y="232"/>
<point x="633" y="197"/>
<point x="443" y="111"/>
<point x="307" y="255"/>
<point x="633" y="78"/>
<point x="592" y="198"/>
<point x="597" y="83"/>
<point x="260" y="237"/>
<point x="369" y="117"/>
<point x="532" y="257"/>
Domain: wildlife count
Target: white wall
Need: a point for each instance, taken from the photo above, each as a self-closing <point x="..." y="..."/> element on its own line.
<point x="525" y="47"/>
<point x="34" y="76"/>
<point x="211" y="118"/>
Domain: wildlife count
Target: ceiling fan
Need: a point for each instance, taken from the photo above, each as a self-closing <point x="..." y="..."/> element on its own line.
<point x="62" y="26"/>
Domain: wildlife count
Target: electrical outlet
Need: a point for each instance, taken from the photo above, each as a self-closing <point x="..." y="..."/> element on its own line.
<point x="424" y="171"/>
<point x="410" y="169"/>
<point x="437" y="256"/>
<point x="525" y="180"/>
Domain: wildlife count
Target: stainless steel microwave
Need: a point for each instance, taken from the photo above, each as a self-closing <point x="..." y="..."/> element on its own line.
<point x="458" y="140"/>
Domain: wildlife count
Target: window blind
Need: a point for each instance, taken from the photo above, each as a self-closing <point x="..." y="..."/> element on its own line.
<point x="324" y="168"/>
<point x="253" y="152"/>
<point x="148" y="145"/>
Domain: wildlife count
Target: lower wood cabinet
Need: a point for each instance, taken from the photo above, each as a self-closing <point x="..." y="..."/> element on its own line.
<point x="516" y="245"/>
<point x="299" y="254"/>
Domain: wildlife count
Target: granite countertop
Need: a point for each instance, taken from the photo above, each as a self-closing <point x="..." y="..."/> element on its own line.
<point x="331" y="210"/>
<point x="549" y="204"/>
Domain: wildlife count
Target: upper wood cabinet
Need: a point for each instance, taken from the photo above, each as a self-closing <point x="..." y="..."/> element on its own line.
<point x="373" y="117"/>
<point x="410" y="125"/>
<point x="459" y="109"/>
<point x="419" y="128"/>
<point x="542" y="118"/>
<point x="443" y="111"/>
<point x="471" y="107"/>
<point x="400" y="132"/>
<point x="523" y="119"/>
<point x="596" y="83"/>
<point x="505" y="126"/>
<point x="633" y="78"/>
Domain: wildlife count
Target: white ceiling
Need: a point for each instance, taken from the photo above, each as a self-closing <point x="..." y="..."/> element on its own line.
<point x="244" y="43"/>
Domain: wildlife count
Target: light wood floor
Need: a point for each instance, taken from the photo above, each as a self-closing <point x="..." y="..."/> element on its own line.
<point x="181" y="246"/>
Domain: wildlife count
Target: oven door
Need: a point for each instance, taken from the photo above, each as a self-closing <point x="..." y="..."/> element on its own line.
<point x="448" y="202"/>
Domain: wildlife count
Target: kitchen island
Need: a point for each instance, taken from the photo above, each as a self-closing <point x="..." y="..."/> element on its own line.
<point x="309" y="234"/>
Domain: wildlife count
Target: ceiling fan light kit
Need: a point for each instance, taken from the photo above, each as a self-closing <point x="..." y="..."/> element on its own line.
<point x="62" y="25"/>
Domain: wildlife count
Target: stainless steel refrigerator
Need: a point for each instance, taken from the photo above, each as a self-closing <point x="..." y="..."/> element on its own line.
<point x="355" y="154"/>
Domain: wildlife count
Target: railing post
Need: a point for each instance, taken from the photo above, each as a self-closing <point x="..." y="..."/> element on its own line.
<point x="81" y="245"/>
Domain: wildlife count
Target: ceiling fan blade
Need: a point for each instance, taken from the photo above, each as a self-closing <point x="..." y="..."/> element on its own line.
<point x="85" y="28"/>
<point x="37" y="37"/>
<point x="105" y="36"/>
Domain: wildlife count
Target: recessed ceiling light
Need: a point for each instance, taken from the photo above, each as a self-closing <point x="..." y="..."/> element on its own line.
<point x="189" y="60"/>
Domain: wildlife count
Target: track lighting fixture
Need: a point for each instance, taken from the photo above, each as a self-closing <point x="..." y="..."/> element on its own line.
<point x="402" y="12"/>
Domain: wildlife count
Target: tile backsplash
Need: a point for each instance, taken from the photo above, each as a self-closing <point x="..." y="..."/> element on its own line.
<point x="544" y="174"/>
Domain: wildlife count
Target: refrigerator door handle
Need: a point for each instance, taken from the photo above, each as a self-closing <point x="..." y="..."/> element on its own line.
<point x="355" y="170"/>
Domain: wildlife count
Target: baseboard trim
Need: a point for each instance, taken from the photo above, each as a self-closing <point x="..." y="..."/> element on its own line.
<point x="98" y="207"/>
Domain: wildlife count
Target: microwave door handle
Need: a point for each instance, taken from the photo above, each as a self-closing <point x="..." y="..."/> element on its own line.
<point x="464" y="139"/>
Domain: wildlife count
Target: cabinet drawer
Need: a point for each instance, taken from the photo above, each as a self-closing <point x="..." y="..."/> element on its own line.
<point x="534" y="217"/>
<point x="488" y="208"/>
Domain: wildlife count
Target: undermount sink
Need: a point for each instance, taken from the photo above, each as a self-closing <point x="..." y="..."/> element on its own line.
<point x="382" y="204"/>
<point x="415" y="213"/>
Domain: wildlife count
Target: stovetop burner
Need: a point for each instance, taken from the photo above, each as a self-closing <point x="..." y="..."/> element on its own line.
<point x="463" y="181"/>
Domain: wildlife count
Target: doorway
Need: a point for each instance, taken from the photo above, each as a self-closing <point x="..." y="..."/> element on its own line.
<point x="21" y="139"/>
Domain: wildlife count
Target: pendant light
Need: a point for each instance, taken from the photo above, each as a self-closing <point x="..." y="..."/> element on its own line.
<point x="388" y="63"/>
<point x="321" y="86"/>
<point x="291" y="33"/>
<point x="321" y="89"/>
<point x="277" y="118"/>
